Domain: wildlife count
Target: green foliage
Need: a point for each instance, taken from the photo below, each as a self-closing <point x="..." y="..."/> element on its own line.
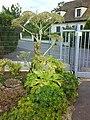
<point x="50" y="89"/>
<point x="2" y="66"/>
<point x="8" y="35"/>
<point x="26" y="58"/>
<point x="40" y="21"/>
<point x="85" y="35"/>
<point x="69" y="86"/>
<point x="40" y="77"/>
<point x="14" y="10"/>
<point x="87" y="25"/>
<point x="13" y="67"/>
<point x="5" y="20"/>
<point x="48" y="103"/>
<point x="48" y="62"/>
<point x="48" y="70"/>
<point x="37" y="24"/>
<point x="8" y="40"/>
<point x="41" y="62"/>
<point x="59" y="7"/>
<point x="55" y="37"/>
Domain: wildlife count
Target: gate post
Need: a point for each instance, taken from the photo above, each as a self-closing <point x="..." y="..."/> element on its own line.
<point x="20" y="35"/>
<point x="61" y="34"/>
<point x="76" y="50"/>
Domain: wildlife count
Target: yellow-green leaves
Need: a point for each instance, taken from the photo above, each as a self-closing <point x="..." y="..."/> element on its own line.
<point x="55" y="37"/>
<point x="42" y="21"/>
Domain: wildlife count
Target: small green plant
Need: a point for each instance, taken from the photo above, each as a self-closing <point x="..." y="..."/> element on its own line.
<point x="14" y="67"/>
<point x="26" y="58"/>
<point x="2" y="65"/>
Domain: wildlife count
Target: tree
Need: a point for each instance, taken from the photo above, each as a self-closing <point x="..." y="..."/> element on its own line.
<point x="86" y="35"/>
<point x="58" y="8"/>
<point x="87" y="25"/>
<point x="37" y="24"/>
<point x="8" y="35"/>
<point x="14" y="10"/>
<point x="5" y="20"/>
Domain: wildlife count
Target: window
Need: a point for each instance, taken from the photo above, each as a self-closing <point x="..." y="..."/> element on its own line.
<point x="73" y="26"/>
<point x="81" y="27"/>
<point x="78" y="12"/>
<point x="59" y="13"/>
<point x="58" y="29"/>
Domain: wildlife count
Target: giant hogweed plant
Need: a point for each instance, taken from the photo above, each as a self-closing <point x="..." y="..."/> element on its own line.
<point x="37" y="24"/>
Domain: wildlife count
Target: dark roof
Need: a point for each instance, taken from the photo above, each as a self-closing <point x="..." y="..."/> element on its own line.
<point x="69" y="7"/>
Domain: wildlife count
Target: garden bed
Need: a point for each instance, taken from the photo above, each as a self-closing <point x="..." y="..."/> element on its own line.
<point x="46" y="92"/>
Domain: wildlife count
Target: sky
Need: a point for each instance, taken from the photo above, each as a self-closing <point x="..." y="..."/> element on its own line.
<point x="33" y="5"/>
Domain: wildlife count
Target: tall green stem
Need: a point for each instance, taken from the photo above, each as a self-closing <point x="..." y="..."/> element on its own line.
<point x="28" y="31"/>
<point x="37" y="48"/>
<point x="48" y="49"/>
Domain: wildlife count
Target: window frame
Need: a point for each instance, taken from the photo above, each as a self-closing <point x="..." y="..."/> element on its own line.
<point x="57" y="29"/>
<point x="78" y="12"/>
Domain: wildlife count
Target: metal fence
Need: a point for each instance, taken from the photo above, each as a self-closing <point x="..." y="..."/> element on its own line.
<point x="76" y="51"/>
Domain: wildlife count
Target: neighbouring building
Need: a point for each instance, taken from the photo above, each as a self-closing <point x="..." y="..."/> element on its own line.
<point x="74" y="12"/>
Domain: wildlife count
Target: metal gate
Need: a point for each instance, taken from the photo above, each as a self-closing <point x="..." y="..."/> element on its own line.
<point x="76" y="51"/>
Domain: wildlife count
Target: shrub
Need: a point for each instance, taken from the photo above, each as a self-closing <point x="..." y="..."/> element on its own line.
<point x="2" y="66"/>
<point x="9" y="35"/>
<point x="8" y="40"/>
<point x="13" y="67"/>
<point x="69" y="86"/>
<point x="85" y="35"/>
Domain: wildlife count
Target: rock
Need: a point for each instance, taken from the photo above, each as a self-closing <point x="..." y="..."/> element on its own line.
<point x="12" y="83"/>
<point x="2" y="87"/>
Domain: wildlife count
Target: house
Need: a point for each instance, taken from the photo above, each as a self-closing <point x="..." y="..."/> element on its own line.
<point x="74" y="12"/>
